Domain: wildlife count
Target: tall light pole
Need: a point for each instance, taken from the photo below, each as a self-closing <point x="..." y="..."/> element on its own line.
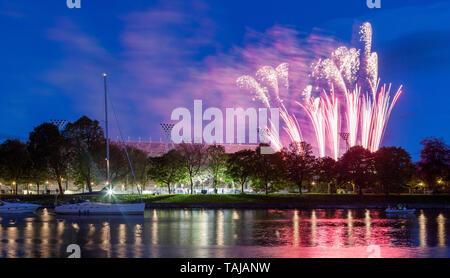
<point x="108" y="175"/>
<point x="345" y="136"/>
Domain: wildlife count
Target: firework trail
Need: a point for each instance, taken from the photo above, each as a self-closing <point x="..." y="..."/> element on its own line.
<point x="269" y="80"/>
<point x="331" y="109"/>
<point x="352" y="101"/>
<point x="366" y="121"/>
<point x="292" y="127"/>
<point x="316" y="112"/>
<point x="381" y="111"/>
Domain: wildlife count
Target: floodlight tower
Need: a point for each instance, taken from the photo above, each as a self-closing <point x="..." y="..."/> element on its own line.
<point x="167" y="128"/>
<point x="263" y="132"/>
<point x="345" y="136"/>
<point x="59" y="123"/>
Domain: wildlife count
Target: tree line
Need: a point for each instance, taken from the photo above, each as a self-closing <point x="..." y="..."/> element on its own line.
<point x="295" y="168"/>
<point x="78" y="153"/>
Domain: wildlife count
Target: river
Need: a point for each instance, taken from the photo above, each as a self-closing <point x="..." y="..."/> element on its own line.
<point x="197" y="233"/>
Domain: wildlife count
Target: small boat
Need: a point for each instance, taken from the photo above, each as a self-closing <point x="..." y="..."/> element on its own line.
<point x="17" y="207"/>
<point x="95" y="208"/>
<point x="404" y="210"/>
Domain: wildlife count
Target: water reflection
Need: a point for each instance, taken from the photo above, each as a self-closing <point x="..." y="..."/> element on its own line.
<point x="228" y="233"/>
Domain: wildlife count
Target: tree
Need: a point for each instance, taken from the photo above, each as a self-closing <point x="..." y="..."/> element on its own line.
<point x="238" y="167"/>
<point x="139" y="161"/>
<point x="267" y="171"/>
<point x="119" y="168"/>
<point x="37" y="171"/>
<point x="47" y="144"/>
<point x="216" y="159"/>
<point x="357" y="166"/>
<point x="167" y="169"/>
<point x="327" y="172"/>
<point x="14" y="163"/>
<point x="299" y="164"/>
<point x="434" y="164"/>
<point x="394" y="168"/>
<point x="86" y="141"/>
<point x="194" y="159"/>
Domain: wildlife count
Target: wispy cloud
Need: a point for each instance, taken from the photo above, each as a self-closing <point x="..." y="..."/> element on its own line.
<point x="161" y="65"/>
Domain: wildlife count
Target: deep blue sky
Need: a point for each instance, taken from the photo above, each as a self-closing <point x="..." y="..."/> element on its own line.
<point x="52" y="57"/>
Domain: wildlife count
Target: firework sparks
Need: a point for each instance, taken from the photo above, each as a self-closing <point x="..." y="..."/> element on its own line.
<point x="382" y="108"/>
<point x="331" y="109"/>
<point x="348" y="81"/>
<point x="352" y="100"/>
<point x="268" y="77"/>
<point x="347" y="62"/>
<point x="315" y="110"/>
<point x="366" y="121"/>
<point x="249" y="83"/>
<point x="291" y="126"/>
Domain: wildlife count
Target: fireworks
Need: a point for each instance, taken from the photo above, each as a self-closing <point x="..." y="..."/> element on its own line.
<point x="249" y="83"/>
<point x="331" y="109"/>
<point x="352" y="101"/>
<point x="315" y="109"/>
<point x="266" y="88"/>
<point x="346" y="81"/>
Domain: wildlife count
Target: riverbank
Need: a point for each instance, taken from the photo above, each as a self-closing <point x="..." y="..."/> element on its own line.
<point x="261" y="201"/>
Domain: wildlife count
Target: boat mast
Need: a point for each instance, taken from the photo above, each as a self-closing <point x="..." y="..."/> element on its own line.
<point x="108" y="175"/>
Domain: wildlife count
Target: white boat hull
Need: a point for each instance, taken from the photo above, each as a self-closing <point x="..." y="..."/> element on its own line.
<point x="90" y="208"/>
<point x="16" y="208"/>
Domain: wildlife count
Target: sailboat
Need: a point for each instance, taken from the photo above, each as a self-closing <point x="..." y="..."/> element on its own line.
<point x="96" y="208"/>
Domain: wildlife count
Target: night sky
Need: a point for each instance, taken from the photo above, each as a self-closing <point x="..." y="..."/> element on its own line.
<point x="164" y="54"/>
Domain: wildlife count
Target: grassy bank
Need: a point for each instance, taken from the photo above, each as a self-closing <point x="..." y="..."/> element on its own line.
<point x="259" y="200"/>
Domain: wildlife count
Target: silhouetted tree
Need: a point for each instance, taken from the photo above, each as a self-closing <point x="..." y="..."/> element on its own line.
<point x="118" y="165"/>
<point x="326" y="169"/>
<point x="394" y="168"/>
<point x="357" y="166"/>
<point x="86" y="141"/>
<point x="216" y="159"/>
<point x="267" y="171"/>
<point x="47" y="144"/>
<point x="139" y="161"/>
<point x="37" y="170"/>
<point x="194" y="160"/>
<point x="434" y="164"/>
<point x="299" y="162"/>
<point x="167" y="169"/>
<point x="238" y="167"/>
<point x="14" y="163"/>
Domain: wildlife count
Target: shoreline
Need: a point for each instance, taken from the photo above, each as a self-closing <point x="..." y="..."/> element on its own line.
<point x="258" y="201"/>
<point x="291" y="206"/>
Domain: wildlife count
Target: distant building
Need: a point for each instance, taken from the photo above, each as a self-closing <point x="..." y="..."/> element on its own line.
<point x="159" y="148"/>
